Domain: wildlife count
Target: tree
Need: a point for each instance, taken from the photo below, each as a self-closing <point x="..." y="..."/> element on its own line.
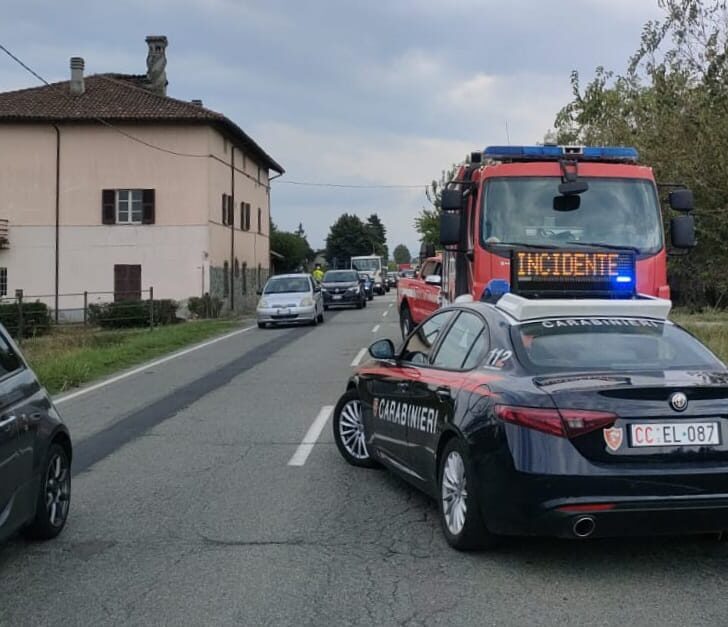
<point x="378" y="235"/>
<point x="672" y="105"/>
<point x="427" y="223"/>
<point x="347" y="238"/>
<point x="402" y="254"/>
<point x="293" y="247"/>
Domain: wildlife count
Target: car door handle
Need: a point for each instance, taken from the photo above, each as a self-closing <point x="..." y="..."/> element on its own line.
<point x="7" y="421"/>
<point x="443" y="393"/>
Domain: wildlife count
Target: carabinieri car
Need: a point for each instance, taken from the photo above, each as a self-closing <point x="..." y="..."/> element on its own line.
<point x="571" y="418"/>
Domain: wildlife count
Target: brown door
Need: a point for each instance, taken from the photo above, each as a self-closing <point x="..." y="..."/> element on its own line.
<point x="127" y="282"/>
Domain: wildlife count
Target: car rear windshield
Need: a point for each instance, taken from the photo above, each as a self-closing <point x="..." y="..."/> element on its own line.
<point x="341" y="276"/>
<point x="617" y="344"/>
<point x="287" y="284"/>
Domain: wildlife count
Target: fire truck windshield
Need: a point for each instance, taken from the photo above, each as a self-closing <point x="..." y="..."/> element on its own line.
<point x="529" y="211"/>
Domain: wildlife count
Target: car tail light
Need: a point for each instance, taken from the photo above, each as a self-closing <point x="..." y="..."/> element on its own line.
<point x="563" y="423"/>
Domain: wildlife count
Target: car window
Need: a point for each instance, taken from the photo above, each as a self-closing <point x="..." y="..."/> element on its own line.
<point x="428" y="268"/>
<point x="341" y="276"/>
<point x="285" y="285"/>
<point x="456" y="346"/>
<point x="9" y="361"/>
<point x="419" y="346"/>
<point x="623" y="344"/>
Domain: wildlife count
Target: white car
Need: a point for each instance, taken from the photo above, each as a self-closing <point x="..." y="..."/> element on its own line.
<point x="290" y="298"/>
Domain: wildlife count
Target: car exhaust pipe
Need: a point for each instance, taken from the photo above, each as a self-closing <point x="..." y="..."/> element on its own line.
<point x="584" y="526"/>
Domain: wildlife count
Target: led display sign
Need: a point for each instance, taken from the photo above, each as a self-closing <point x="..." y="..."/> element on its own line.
<point x="573" y="273"/>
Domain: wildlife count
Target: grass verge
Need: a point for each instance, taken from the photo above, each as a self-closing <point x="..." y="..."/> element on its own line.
<point x="71" y="357"/>
<point x="711" y="327"/>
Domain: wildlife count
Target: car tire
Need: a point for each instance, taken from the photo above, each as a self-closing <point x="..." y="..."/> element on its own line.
<point x="54" y="496"/>
<point x="360" y="304"/>
<point x="349" y="431"/>
<point x="326" y="307"/>
<point x="321" y="317"/>
<point x="370" y="296"/>
<point x="314" y="321"/>
<point x="406" y="323"/>
<point x="460" y="515"/>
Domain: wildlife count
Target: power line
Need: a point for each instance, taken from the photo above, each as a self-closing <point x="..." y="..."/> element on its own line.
<point x="310" y="184"/>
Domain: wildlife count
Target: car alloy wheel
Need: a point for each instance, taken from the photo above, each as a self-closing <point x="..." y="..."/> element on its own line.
<point x="54" y="497"/>
<point x="405" y="322"/>
<point x="454" y="493"/>
<point x="349" y="433"/>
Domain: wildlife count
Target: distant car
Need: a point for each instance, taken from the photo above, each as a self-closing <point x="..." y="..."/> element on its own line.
<point x="35" y="452"/>
<point x="343" y="288"/>
<point x="392" y="279"/>
<point x="408" y="274"/>
<point x="367" y="284"/>
<point x="290" y="298"/>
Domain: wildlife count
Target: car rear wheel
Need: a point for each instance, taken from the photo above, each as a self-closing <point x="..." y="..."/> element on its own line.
<point x="405" y="321"/>
<point x="321" y="317"/>
<point x="349" y="431"/>
<point x="54" y="496"/>
<point x="261" y="325"/>
<point x="460" y="516"/>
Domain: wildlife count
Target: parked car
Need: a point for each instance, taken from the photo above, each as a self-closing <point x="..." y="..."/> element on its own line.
<point x="367" y="284"/>
<point x="35" y="452"/>
<point x="343" y="288"/>
<point x="290" y="298"/>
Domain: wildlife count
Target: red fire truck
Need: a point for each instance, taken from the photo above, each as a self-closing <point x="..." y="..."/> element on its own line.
<point x="553" y="220"/>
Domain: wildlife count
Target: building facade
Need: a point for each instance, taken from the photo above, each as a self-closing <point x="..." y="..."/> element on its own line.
<point x="110" y="187"/>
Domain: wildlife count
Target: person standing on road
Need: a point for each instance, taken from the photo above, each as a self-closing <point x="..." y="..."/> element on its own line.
<point x="317" y="273"/>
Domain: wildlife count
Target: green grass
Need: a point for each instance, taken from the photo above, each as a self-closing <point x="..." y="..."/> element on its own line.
<point x="711" y="326"/>
<point x="71" y="357"/>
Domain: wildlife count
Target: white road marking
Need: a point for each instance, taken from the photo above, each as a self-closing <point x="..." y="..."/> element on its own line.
<point x="384" y="315"/>
<point x="150" y="364"/>
<point x="312" y="435"/>
<point x="358" y="357"/>
<point x="375" y="329"/>
<point x="390" y="304"/>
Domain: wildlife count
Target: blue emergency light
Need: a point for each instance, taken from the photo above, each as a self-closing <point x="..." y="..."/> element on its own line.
<point x="494" y="290"/>
<point x="554" y="153"/>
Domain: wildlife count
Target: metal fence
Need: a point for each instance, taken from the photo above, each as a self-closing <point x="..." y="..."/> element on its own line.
<point x="26" y="315"/>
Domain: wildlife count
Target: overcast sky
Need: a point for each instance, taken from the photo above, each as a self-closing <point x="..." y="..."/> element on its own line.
<point x="384" y="92"/>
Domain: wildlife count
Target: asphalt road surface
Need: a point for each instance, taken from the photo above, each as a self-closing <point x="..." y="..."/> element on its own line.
<point x="195" y="503"/>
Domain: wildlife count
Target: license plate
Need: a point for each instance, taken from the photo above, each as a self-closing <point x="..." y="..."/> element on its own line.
<point x="283" y="312"/>
<point x="338" y="297"/>
<point x="675" y="434"/>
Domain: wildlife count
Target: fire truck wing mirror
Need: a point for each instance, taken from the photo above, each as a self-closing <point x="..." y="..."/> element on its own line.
<point x="572" y="188"/>
<point x="451" y="200"/>
<point x="682" y="231"/>
<point x="681" y="200"/>
<point x="427" y="250"/>
<point x="449" y="229"/>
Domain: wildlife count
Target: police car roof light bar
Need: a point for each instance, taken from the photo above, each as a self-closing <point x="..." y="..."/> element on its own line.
<point x="523" y="309"/>
<point x="617" y="154"/>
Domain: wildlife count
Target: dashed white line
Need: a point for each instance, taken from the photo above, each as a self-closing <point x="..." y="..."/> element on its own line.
<point x="146" y="366"/>
<point x="375" y="329"/>
<point x="312" y="435"/>
<point x="384" y="315"/>
<point x="390" y="304"/>
<point x="358" y="357"/>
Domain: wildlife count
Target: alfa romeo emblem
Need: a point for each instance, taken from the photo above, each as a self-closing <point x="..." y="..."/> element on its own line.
<point x="613" y="437"/>
<point x="679" y="401"/>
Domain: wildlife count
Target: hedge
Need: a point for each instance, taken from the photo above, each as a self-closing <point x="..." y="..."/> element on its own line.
<point x="36" y="318"/>
<point x="132" y="313"/>
<point x="205" y="307"/>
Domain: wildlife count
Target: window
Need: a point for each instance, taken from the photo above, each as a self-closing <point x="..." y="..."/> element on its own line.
<point x="127" y="206"/>
<point x="228" y="217"/>
<point x="340" y="276"/>
<point x="247" y="216"/>
<point x="418" y="348"/>
<point x="9" y="361"/>
<point x="127" y="282"/>
<point x="244" y="282"/>
<point x="458" y="345"/>
<point x="260" y="220"/>
<point x="3" y="281"/>
<point x="226" y="279"/>
<point x="224" y="145"/>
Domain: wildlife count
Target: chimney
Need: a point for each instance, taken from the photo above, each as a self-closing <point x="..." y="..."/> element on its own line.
<point x="157" y="64"/>
<point x="77" y="84"/>
<point x="197" y="103"/>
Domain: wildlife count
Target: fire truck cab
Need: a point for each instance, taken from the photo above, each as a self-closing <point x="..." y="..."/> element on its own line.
<point x="556" y="218"/>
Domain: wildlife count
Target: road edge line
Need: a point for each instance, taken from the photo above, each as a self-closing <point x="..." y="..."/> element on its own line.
<point x="304" y="449"/>
<point x="358" y="357"/>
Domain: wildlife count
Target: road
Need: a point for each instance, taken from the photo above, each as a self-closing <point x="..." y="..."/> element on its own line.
<point x="186" y="511"/>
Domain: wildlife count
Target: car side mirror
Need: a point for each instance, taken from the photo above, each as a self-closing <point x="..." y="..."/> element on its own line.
<point x="433" y="279"/>
<point x="382" y="350"/>
<point x="682" y="231"/>
<point x="449" y="229"/>
<point x="259" y="292"/>
<point x="681" y="200"/>
<point x="317" y="288"/>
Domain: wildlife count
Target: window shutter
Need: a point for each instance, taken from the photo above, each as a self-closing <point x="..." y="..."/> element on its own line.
<point x="148" y="206"/>
<point x="108" y="206"/>
<point x="231" y="211"/>
<point x="242" y="216"/>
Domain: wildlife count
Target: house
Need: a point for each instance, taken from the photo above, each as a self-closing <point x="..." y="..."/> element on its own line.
<point x="109" y="186"/>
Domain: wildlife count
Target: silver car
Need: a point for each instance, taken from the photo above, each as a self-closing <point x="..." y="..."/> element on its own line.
<point x="290" y="298"/>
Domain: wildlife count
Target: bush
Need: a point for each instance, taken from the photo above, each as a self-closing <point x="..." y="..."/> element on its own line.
<point x="205" y="307"/>
<point x="36" y="318"/>
<point x="132" y="313"/>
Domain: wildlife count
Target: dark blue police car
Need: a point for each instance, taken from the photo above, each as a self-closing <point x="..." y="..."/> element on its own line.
<point x="571" y="418"/>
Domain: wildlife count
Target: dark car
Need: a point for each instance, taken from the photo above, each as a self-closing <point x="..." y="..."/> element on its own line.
<point x="548" y="418"/>
<point x="342" y="288"/>
<point x="367" y="284"/>
<point x="392" y="278"/>
<point x="35" y="452"/>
